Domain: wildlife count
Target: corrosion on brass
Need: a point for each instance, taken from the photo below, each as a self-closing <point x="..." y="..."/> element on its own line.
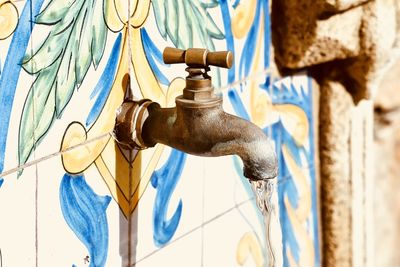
<point x="198" y="124"/>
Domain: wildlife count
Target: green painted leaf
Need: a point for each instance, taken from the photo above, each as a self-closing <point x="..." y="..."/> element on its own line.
<point x="172" y="20"/>
<point x="196" y="32"/>
<point x="76" y="38"/>
<point x="213" y="29"/>
<point x="54" y="12"/>
<point x="82" y="37"/>
<point x="99" y="34"/>
<point x="35" y="114"/>
<point x="66" y="82"/>
<point x="160" y="11"/>
<point x="209" y="3"/>
<point x="183" y="27"/>
<point x="187" y="23"/>
<point x="47" y="54"/>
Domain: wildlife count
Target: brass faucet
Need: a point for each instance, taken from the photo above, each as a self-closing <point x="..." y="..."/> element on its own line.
<point x="198" y="124"/>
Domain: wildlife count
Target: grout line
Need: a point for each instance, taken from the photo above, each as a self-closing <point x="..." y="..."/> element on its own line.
<point x="36" y="192"/>
<point x="130" y="214"/>
<point x="203" y="208"/>
<point x="37" y="215"/>
<point x="36" y="161"/>
<point x="130" y="49"/>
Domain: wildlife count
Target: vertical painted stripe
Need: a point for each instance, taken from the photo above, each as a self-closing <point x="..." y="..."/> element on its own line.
<point x="267" y="33"/>
<point x="152" y="53"/>
<point x="313" y="176"/>
<point x="249" y="48"/>
<point x="12" y="69"/>
<point x="103" y="86"/>
<point x="228" y="36"/>
<point x="237" y="104"/>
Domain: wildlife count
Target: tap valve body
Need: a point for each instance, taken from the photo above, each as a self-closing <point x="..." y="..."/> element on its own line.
<point x="198" y="91"/>
<point x="198" y="124"/>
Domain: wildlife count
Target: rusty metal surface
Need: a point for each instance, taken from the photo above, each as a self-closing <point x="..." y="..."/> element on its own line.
<point x="198" y="124"/>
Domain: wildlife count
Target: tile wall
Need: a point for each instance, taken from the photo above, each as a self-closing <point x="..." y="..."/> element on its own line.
<point x="70" y="196"/>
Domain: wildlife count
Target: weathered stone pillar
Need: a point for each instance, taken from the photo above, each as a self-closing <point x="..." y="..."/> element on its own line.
<point x="346" y="178"/>
<point x="347" y="45"/>
<point x="334" y="145"/>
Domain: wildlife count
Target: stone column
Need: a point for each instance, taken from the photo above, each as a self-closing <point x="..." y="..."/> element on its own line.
<point x="334" y="145"/>
<point x="347" y="46"/>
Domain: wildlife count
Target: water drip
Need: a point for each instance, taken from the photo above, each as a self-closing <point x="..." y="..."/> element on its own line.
<point x="265" y="191"/>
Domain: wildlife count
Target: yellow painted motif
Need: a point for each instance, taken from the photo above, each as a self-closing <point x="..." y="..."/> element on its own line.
<point x="295" y="120"/>
<point x="243" y="17"/>
<point x="8" y="19"/>
<point x="175" y="89"/>
<point x="249" y="246"/>
<point x="113" y="20"/>
<point x="118" y="12"/>
<point x="148" y="84"/>
<point x="79" y="159"/>
<point x="141" y="12"/>
<point x="145" y="178"/>
<point x="260" y="104"/>
<point x="111" y="162"/>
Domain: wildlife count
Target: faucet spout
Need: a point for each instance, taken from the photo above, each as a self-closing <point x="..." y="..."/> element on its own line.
<point x="211" y="132"/>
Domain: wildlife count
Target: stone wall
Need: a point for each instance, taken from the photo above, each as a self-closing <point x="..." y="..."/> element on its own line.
<point x="350" y="48"/>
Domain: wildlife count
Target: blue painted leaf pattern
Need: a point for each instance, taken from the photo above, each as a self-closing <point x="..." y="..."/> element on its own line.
<point x="85" y="213"/>
<point x="165" y="180"/>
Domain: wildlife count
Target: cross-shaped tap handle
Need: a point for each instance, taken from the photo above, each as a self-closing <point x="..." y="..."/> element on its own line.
<point x="198" y="57"/>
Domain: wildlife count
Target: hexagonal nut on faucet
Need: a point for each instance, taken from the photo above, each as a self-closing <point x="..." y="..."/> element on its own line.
<point x="129" y="121"/>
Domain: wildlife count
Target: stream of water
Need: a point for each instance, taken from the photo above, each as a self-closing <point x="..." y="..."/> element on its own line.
<point x="264" y="191"/>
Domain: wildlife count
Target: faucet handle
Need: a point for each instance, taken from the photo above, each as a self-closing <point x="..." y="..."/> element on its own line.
<point x="198" y="57"/>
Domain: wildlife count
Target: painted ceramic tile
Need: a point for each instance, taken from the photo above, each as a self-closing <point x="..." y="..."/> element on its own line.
<point x="18" y="223"/>
<point x="234" y="239"/>
<point x="171" y="206"/>
<point x="186" y="251"/>
<point x="18" y="208"/>
<point x="73" y="214"/>
<point x="12" y="76"/>
<point x="297" y="181"/>
<point x="111" y="207"/>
